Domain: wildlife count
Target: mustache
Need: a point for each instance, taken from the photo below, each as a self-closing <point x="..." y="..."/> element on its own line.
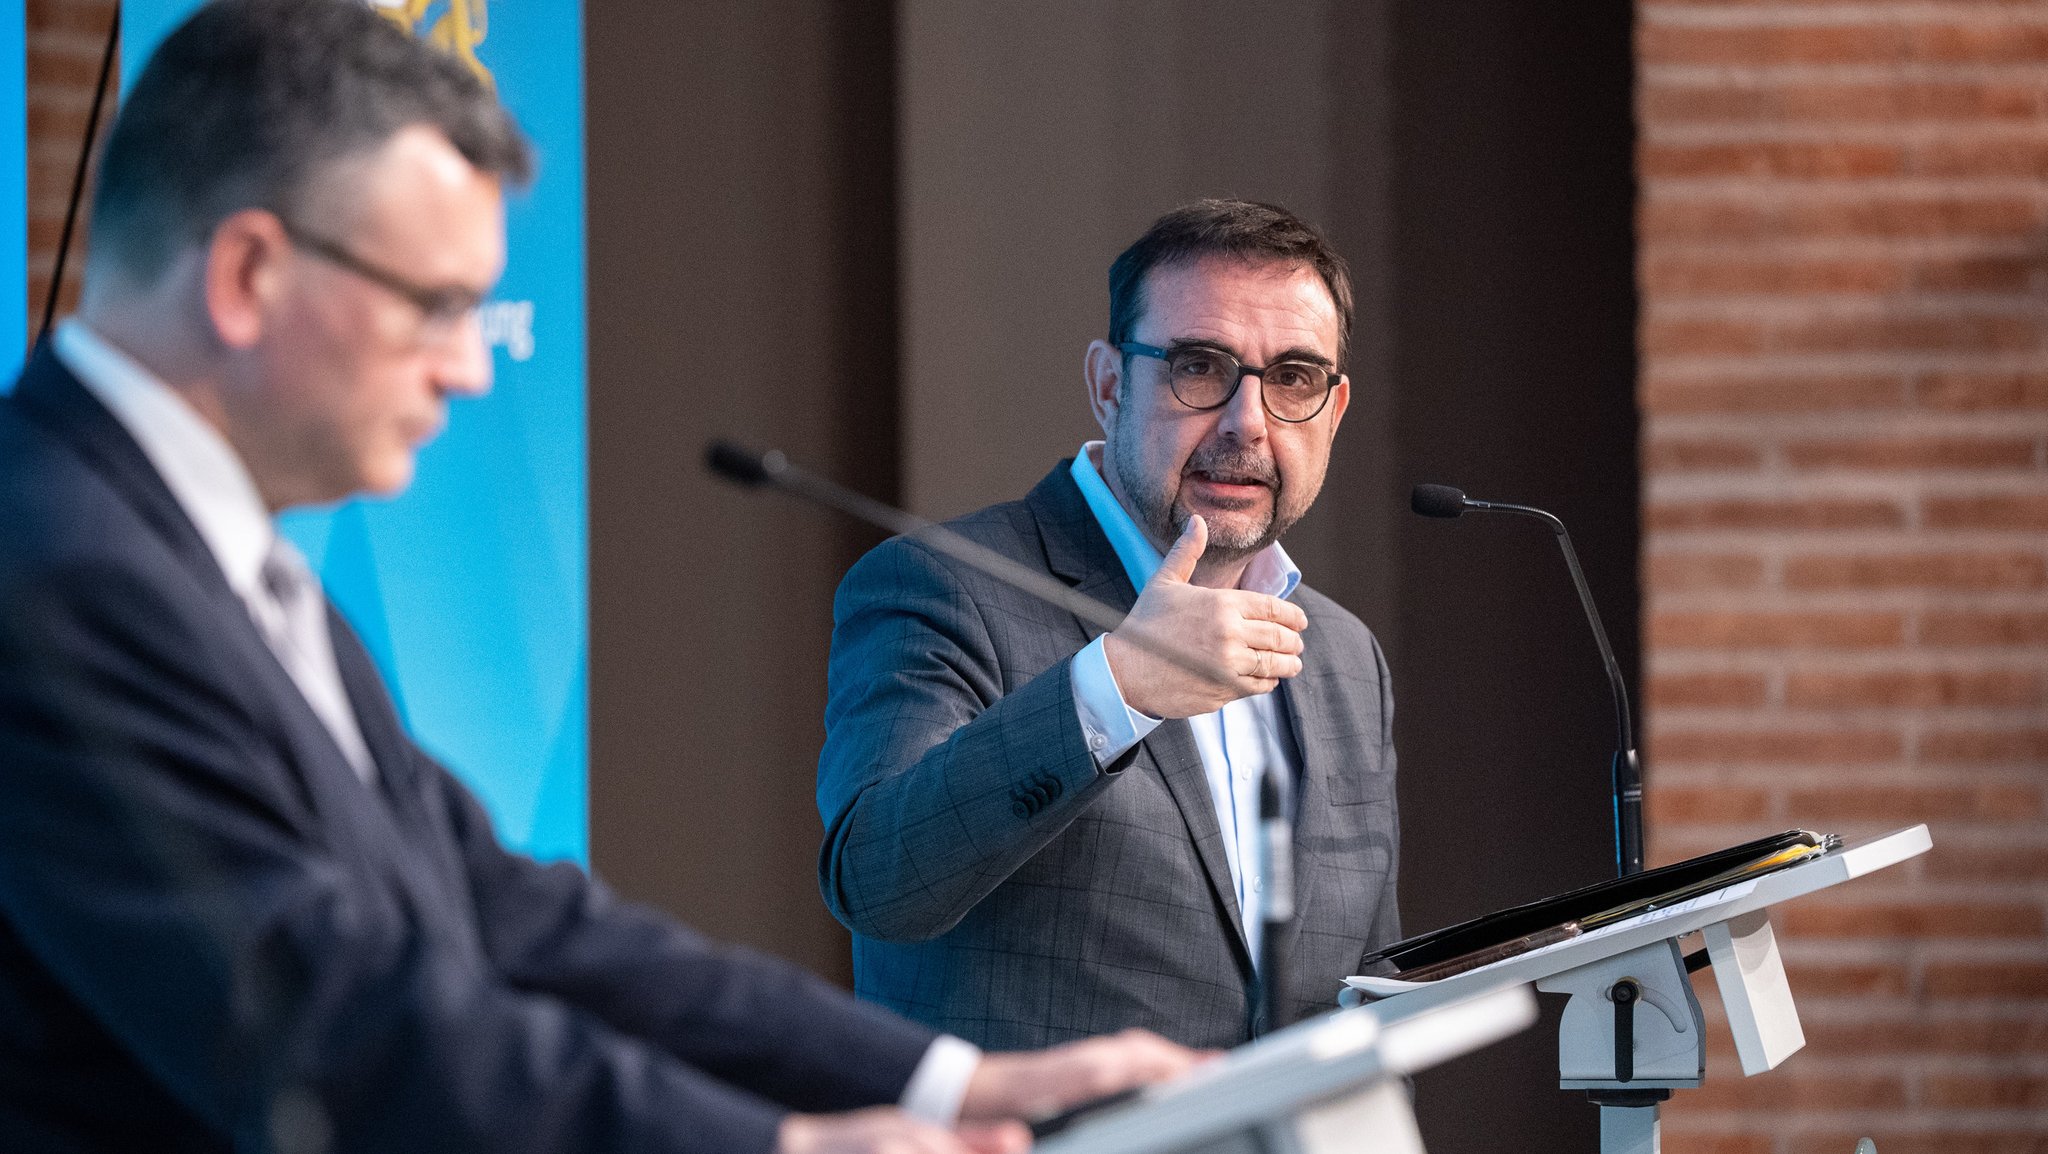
<point x="1238" y="464"/>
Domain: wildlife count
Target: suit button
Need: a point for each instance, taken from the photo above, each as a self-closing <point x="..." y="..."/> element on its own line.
<point x="1021" y="809"/>
<point x="1054" y="787"/>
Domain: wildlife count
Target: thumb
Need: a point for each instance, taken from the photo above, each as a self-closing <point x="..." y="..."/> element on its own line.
<point x="1179" y="562"/>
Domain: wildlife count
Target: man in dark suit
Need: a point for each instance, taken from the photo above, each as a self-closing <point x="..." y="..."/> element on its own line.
<point x="1037" y="833"/>
<point x="239" y="908"/>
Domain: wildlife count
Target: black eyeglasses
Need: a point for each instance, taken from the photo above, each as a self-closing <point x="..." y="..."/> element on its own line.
<point x="1205" y="377"/>
<point x="442" y="309"/>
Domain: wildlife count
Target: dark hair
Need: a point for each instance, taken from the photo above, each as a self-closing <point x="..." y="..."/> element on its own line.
<point x="250" y="103"/>
<point x="1244" y="229"/>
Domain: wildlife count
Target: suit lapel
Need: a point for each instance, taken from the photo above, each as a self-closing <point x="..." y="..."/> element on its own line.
<point x="1179" y="760"/>
<point x="1077" y="551"/>
<point x="1313" y="821"/>
<point x="52" y="397"/>
<point x="398" y="775"/>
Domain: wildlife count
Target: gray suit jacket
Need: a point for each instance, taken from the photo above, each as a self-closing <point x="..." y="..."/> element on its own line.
<point x="1000" y="886"/>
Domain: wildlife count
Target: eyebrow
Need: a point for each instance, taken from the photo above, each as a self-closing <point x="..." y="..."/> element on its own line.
<point x="1297" y="353"/>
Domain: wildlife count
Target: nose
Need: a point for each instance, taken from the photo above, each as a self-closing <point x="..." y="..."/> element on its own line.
<point x="463" y="360"/>
<point x="1243" y="416"/>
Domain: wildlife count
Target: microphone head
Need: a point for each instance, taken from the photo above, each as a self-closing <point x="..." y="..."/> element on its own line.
<point x="1437" y="500"/>
<point x="737" y="463"/>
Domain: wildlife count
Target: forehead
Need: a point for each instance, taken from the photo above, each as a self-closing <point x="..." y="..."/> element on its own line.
<point x="418" y="199"/>
<point x="1250" y="306"/>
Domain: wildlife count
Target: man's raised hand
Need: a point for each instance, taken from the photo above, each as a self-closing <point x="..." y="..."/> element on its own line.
<point x="1185" y="650"/>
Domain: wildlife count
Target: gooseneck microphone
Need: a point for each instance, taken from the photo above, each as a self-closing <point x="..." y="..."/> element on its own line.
<point x="773" y="469"/>
<point x="1445" y="501"/>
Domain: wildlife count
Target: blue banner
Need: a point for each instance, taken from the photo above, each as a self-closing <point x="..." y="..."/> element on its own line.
<point x="13" y="188"/>
<point x="472" y="588"/>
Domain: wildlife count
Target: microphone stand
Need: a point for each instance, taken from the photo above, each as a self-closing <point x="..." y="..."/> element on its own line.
<point x="1626" y="770"/>
<point x="1277" y="840"/>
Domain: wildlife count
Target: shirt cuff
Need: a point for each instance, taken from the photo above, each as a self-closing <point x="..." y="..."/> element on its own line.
<point x="939" y="1084"/>
<point x="1108" y="725"/>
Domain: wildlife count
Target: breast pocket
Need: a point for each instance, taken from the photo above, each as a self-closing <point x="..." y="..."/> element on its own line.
<point x="1360" y="781"/>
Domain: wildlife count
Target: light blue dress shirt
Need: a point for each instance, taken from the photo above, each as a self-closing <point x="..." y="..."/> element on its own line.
<point x="1239" y="743"/>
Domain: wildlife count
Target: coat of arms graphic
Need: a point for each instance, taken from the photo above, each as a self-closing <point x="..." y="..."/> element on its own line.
<point x="454" y="26"/>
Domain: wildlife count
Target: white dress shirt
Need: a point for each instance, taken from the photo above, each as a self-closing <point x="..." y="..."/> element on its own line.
<point x="1239" y="743"/>
<point x="214" y="488"/>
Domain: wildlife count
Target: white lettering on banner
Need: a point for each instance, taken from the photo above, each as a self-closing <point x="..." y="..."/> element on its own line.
<point x="508" y="325"/>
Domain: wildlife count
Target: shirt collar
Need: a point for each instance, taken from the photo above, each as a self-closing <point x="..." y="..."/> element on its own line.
<point x="1271" y="571"/>
<point x="207" y="479"/>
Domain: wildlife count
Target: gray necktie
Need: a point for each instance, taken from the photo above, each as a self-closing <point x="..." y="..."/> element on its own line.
<point x="294" y="623"/>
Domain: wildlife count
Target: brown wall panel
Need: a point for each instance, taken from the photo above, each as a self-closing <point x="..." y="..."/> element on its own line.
<point x="741" y="282"/>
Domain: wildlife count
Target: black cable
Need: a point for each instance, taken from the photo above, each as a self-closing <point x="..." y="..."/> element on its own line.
<point x="92" y="127"/>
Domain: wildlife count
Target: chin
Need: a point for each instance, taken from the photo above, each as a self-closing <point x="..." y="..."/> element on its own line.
<point x="1229" y="532"/>
<point x="1238" y="544"/>
<point x="388" y="478"/>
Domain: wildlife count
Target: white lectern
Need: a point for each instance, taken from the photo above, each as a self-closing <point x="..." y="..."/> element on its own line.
<point x="1632" y="1031"/>
<point x="1330" y="1085"/>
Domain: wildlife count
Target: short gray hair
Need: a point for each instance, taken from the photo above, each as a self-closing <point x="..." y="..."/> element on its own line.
<point x="250" y="103"/>
<point x="1241" y="229"/>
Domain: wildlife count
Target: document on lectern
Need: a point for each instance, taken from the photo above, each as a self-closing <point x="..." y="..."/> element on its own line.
<point x="1520" y="929"/>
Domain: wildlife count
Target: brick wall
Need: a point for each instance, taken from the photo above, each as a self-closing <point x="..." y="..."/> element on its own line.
<point x="1843" y="221"/>
<point x="66" y="39"/>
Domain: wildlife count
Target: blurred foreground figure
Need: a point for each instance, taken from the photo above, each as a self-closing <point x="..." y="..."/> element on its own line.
<point x="239" y="908"/>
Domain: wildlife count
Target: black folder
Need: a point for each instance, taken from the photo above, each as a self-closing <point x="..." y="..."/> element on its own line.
<point x="1518" y="929"/>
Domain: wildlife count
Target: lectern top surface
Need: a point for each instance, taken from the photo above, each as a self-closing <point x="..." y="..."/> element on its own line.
<point x="1688" y="916"/>
<point x="1517" y="929"/>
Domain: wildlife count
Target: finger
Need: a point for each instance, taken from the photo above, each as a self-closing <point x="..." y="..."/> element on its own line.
<point x="1179" y="562"/>
<point x="1268" y="670"/>
<point x="1151" y="1058"/>
<point x="1275" y="668"/>
<point x="996" y="1137"/>
<point x="1271" y="636"/>
<point x="1260" y="607"/>
<point x="910" y="1135"/>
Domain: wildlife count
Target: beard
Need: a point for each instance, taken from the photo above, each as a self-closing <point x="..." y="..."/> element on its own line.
<point x="1232" y="537"/>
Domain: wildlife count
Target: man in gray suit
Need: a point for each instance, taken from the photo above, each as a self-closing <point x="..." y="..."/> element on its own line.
<point x="1037" y="833"/>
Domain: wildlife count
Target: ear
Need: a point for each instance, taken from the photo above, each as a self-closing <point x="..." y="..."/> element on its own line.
<point x="1103" y="369"/>
<point x="1340" y="399"/>
<point x="246" y="274"/>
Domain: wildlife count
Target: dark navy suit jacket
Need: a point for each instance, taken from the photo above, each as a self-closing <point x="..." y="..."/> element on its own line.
<point x="214" y="936"/>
